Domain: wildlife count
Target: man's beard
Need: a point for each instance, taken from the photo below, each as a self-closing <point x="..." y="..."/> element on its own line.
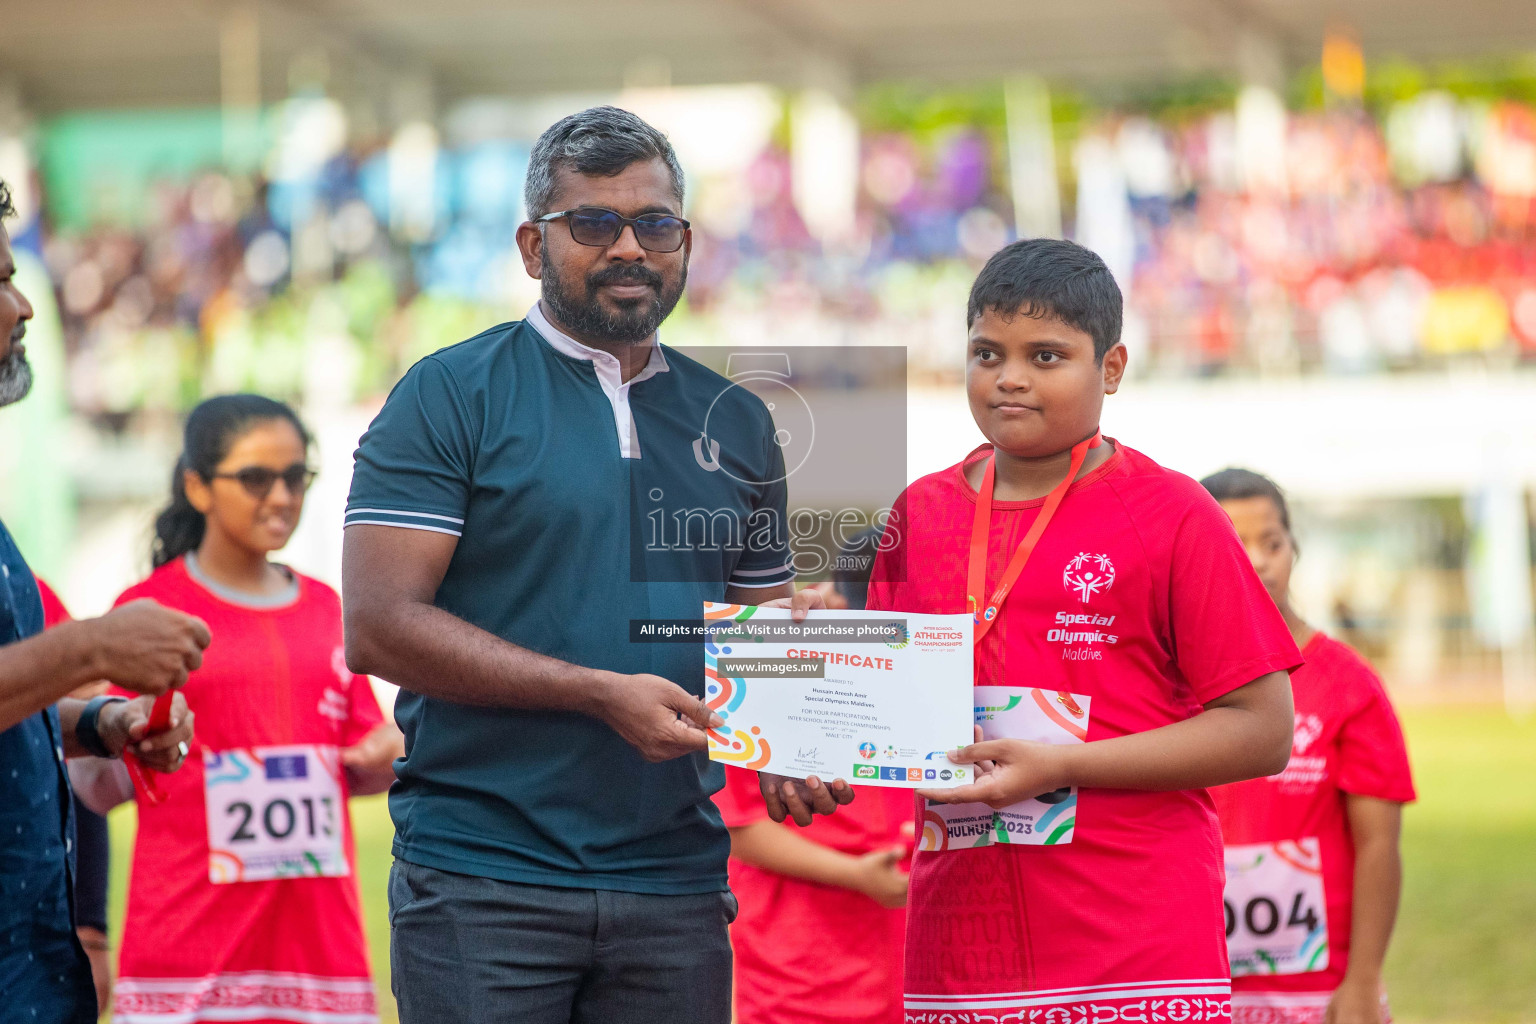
<point x="577" y="308"/>
<point x="15" y="375"/>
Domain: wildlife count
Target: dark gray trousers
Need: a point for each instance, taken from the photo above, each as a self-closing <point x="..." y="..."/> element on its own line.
<point x="470" y="950"/>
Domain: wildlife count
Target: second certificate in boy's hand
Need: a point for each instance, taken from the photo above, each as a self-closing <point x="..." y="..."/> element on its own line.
<point x="1007" y="771"/>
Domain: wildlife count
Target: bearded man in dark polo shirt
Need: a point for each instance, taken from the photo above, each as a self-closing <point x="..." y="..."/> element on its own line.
<point x="557" y="856"/>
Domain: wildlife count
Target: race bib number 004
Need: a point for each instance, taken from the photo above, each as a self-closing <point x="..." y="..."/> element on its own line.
<point x="274" y="812"/>
<point x="1277" y="920"/>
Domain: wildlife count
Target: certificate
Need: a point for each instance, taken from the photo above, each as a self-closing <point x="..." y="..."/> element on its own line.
<point x="876" y="698"/>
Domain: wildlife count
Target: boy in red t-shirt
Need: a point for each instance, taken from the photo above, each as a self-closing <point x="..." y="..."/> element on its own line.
<point x="1137" y="625"/>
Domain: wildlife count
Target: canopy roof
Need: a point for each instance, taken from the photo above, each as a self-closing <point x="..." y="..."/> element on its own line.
<point x="78" y="54"/>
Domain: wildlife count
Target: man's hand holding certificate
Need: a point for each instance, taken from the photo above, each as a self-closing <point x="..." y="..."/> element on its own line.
<point x="877" y="698"/>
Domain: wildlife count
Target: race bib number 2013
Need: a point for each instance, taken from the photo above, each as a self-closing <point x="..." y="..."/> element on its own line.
<point x="1277" y="920"/>
<point x="274" y="812"/>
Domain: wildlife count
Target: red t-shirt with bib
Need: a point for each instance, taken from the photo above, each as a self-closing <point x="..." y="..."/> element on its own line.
<point x="1347" y="740"/>
<point x="808" y="953"/>
<point x="281" y="949"/>
<point x="1140" y="597"/>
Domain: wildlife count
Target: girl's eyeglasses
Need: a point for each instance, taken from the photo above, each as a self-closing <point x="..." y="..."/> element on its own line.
<point x="593" y="225"/>
<point x="258" y="480"/>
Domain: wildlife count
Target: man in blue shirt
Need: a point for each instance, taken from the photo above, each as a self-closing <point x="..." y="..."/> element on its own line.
<point x="44" y="974"/>
<point x="521" y="500"/>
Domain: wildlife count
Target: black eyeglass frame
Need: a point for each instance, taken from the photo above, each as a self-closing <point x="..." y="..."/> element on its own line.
<point x="243" y="476"/>
<point x="629" y="222"/>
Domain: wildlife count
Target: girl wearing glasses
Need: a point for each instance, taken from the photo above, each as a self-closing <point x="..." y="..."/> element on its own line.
<point x="1318" y="843"/>
<point x="243" y="903"/>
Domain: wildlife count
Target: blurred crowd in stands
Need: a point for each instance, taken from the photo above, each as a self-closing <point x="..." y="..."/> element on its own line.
<point x="1363" y="243"/>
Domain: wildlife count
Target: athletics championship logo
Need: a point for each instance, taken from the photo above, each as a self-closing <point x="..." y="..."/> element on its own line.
<point x="1087" y="575"/>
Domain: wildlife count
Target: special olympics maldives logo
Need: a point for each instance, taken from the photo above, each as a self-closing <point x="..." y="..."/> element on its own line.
<point x="866" y="750"/>
<point x="1087" y="575"/>
<point x="1308" y="728"/>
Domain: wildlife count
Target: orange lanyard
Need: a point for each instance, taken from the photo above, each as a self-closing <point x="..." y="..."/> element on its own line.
<point x="976" y="576"/>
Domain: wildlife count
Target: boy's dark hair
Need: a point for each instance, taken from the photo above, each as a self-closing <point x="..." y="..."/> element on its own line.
<point x="1049" y="277"/>
<point x="1234" y="484"/>
<point x="6" y="209"/>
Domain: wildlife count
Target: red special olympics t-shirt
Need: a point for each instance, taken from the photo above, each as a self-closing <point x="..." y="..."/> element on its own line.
<point x="283" y="949"/>
<point x="1347" y="740"/>
<point x="808" y="953"/>
<point x="1140" y="597"/>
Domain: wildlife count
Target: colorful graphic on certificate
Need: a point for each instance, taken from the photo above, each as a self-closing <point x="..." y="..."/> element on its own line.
<point x="876" y="698"/>
<point x="1050" y="819"/>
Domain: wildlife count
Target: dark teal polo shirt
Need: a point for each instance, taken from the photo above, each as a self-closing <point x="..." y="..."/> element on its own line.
<point x="44" y="975"/>
<point x="571" y="501"/>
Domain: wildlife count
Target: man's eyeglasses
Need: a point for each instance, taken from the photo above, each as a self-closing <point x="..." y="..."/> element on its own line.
<point x="593" y="225"/>
<point x="258" y="480"/>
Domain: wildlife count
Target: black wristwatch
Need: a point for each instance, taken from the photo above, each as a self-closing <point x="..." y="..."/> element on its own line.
<point x="86" y="733"/>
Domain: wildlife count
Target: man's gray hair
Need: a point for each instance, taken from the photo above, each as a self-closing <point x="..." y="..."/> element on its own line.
<point x="597" y="141"/>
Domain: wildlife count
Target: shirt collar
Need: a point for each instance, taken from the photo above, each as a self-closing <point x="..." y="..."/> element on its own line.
<point x="605" y="363"/>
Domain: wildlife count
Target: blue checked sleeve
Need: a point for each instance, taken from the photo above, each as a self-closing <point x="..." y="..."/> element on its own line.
<point x="765" y="558"/>
<point x="413" y="465"/>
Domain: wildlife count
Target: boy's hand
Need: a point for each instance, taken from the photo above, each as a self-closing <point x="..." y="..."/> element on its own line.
<point x="880" y="877"/>
<point x="801" y="800"/>
<point x="1007" y="771"/>
<point x="1355" y="1002"/>
<point x="99" y="953"/>
<point x="124" y="725"/>
<point x="375" y="751"/>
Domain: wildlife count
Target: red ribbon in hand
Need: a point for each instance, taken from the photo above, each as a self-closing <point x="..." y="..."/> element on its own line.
<point x="144" y="782"/>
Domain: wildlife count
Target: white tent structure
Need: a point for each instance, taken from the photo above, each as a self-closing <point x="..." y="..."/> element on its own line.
<point x="76" y="54"/>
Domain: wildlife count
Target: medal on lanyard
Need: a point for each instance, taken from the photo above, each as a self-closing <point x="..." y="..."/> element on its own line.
<point x="143" y="778"/>
<point x="976" y="577"/>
